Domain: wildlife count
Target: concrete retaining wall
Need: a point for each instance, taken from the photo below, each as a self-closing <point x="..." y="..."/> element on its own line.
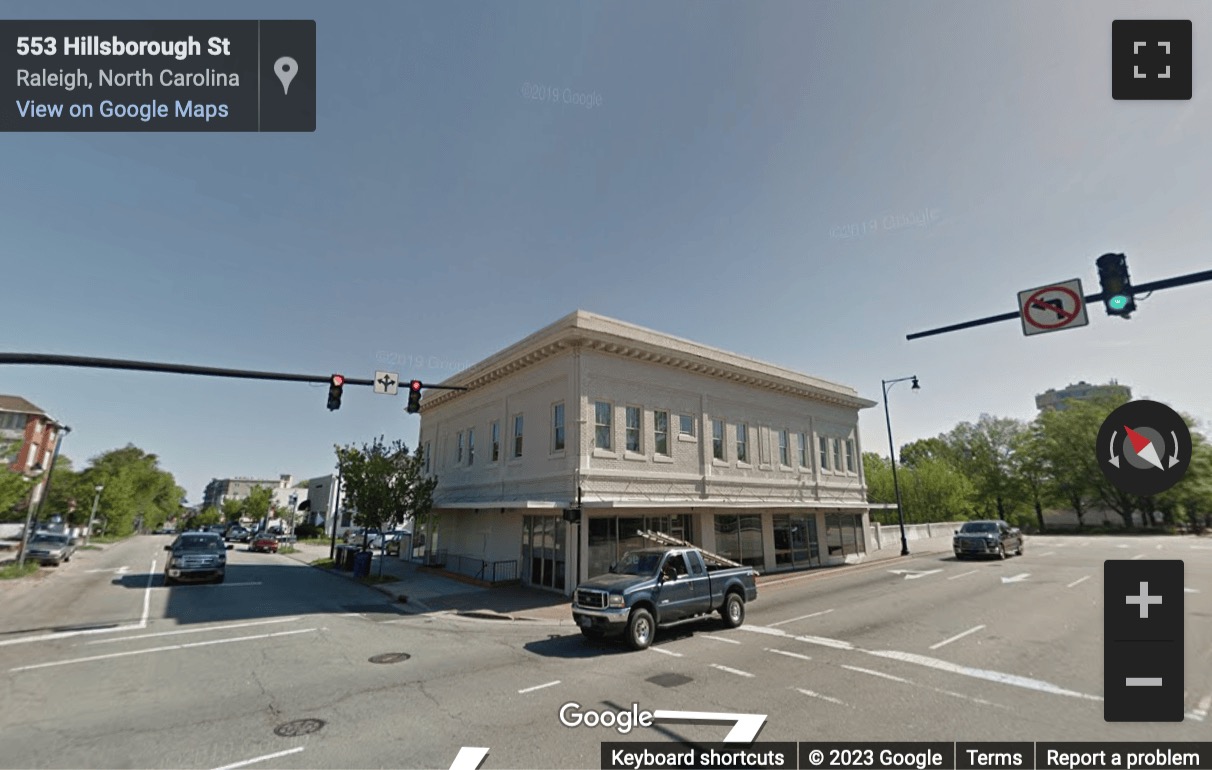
<point x="890" y="536"/>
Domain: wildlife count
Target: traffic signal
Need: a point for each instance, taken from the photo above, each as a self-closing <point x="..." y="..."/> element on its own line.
<point x="335" y="385"/>
<point x="1117" y="286"/>
<point x="414" y="397"/>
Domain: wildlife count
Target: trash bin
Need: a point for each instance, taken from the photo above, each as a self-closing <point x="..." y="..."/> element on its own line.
<point x="361" y="564"/>
<point x="344" y="559"/>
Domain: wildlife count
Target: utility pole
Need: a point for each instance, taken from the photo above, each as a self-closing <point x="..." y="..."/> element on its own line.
<point x="88" y="534"/>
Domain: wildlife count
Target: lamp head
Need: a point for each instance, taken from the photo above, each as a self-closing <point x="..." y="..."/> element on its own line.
<point x="915" y="385"/>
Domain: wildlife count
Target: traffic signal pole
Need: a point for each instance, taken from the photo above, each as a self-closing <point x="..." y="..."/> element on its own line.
<point x="1165" y="283"/>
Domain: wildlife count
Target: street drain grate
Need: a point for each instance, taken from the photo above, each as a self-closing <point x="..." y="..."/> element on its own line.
<point x="669" y="680"/>
<point x="298" y="727"/>
<point x="390" y="657"/>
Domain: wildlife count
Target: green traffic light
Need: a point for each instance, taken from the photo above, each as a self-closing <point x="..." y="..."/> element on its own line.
<point x="1118" y="302"/>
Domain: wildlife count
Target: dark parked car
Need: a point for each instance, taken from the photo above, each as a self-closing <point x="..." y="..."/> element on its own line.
<point x="987" y="538"/>
<point x="237" y="533"/>
<point x="264" y="541"/>
<point x="196" y="556"/>
<point x="50" y="548"/>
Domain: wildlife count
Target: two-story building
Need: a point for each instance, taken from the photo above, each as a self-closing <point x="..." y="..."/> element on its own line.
<point x="648" y="433"/>
<point x="29" y="435"/>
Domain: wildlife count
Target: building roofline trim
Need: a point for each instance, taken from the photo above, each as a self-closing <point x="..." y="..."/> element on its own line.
<point x="583" y="330"/>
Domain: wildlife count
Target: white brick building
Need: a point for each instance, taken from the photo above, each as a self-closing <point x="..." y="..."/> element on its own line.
<point x="747" y="459"/>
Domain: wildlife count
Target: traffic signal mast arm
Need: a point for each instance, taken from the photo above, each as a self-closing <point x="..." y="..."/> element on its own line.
<point x="1165" y="283"/>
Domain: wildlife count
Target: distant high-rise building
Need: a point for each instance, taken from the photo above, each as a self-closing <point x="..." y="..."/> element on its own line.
<point x="1055" y="399"/>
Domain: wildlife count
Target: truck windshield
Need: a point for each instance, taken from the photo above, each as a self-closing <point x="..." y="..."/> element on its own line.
<point x="639" y="563"/>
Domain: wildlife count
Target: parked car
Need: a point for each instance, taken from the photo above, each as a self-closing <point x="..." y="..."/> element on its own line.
<point x="264" y="541"/>
<point x="357" y="535"/>
<point x="389" y="539"/>
<point x="236" y="532"/>
<point x="196" y="556"/>
<point x="655" y="587"/>
<point x="987" y="538"/>
<point x="50" y="548"/>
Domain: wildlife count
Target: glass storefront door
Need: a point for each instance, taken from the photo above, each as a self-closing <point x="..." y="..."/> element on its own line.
<point x="795" y="541"/>
<point x="543" y="552"/>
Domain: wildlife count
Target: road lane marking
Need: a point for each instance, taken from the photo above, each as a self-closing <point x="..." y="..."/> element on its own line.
<point x="736" y="671"/>
<point x="254" y="760"/>
<point x="197" y="630"/>
<point x="788" y="654"/>
<point x="213" y="585"/>
<point x="1137" y="556"/>
<point x="877" y="673"/>
<point x="1159" y="546"/>
<point x="666" y="652"/>
<point x="923" y="660"/>
<point x="539" y="687"/>
<point x="972" y="630"/>
<point x="977" y="673"/>
<point x="1048" y="553"/>
<point x="158" y="649"/>
<point x="469" y="758"/>
<point x="66" y="634"/>
<point x="1190" y="590"/>
<point x="1201" y="712"/>
<point x="720" y="639"/>
<point x="802" y="617"/>
<point x="151" y="574"/>
<point x="119" y="570"/>
<point x="962" y="574"/>
<point x="1079" y="580"/>
<point x="812" y="694"/>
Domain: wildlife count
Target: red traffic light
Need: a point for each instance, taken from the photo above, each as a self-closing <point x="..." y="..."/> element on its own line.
<point x="338" y="380"/>
<point x="414" y="385"/>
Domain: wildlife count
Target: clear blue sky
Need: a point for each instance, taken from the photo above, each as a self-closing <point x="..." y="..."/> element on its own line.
<point x="438" y="213"/>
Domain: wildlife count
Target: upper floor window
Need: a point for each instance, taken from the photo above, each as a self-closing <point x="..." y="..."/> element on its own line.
<point x="660" y="432"/>
<point x="496" y="441"/>
<point x="557" y="428"/>
<point x="471" y="446"/>
<point x="784" y="450"/>
<point x="763" y="439"/>
<point x="686" y="424"/>
<point x="803" y="450"/>
<point x="459" y="449"/>
<point x="633" y="429"/>
<point x="837" y="455"/>
<point x="742" y="442"/>
<point x="717" y="439"/>
<point x="850" y="464"/>
<point x="517" y="435"/>
<point x="824" y="447"/>
<point x="426" y="458"/>
<point x="602" y="425"/>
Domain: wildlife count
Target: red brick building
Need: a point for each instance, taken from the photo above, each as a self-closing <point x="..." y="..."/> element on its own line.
<point x="27" y="437"/>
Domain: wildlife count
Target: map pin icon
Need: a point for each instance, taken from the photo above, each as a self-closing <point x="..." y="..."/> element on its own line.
<point x="286" y="68"/>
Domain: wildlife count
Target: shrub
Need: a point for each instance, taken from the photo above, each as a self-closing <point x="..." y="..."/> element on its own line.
<point x="308" y="531"/>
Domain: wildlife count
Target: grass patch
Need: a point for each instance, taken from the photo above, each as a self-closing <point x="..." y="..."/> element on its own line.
<point x="324" y="563"/>
<point x="89" y="548"/>
<point x="288" y="549"/>
<point x="108" y="538"/>
<point x="11" y="571"/>
<point x="316" y="540"/>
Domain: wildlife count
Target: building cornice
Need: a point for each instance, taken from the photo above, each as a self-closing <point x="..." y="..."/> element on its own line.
<point x="587" y="331"/>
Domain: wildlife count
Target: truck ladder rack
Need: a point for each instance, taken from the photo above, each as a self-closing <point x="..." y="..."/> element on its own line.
<point x="708" y="556"/>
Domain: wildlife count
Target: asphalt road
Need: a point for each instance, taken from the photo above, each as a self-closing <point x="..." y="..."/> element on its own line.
<point x="103" y="667"/>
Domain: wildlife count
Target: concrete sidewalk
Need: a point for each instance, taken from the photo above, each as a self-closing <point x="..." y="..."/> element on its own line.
<point x="422" y="590"/>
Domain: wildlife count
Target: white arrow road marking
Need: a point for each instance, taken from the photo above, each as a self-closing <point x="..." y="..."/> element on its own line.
<point x="744" y="731"/>
<point x="911" y="574"/>
<point x="469" y="758"/>
<point x="1079" y="580"/>
<point x="254" y="760"/>
<point x="1017" y="578"/>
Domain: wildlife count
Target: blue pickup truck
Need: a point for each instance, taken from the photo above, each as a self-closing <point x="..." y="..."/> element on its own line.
<point x="653" y="588"/>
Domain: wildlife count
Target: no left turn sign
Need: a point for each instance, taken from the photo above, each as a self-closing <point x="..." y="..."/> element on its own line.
<point x="1053" y="307"/>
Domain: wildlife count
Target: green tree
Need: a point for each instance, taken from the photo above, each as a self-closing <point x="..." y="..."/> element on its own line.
<point x="1032" y="470"/>
<point x="207" y="518"/>
<point x="984" y="452"/>
<point x="259" y="503"/>
<point x="935" y="448"/>
<point x="935" y="490"/>
<point x="232" y="509"/>
<point x="137" y="490"/>
<point x="384" y="483"/>
<point x="1190" y="500"/>
<point x="1067" y="439"/>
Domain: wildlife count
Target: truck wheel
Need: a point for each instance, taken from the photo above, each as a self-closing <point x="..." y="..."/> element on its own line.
<point x="733" y="611"/>
<point x="639" y="629"/>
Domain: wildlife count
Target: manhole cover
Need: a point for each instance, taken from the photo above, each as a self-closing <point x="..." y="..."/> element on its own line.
<point x="669" y="680"/>
<point x="390" y="657"/>
<point x="298" y="727"/>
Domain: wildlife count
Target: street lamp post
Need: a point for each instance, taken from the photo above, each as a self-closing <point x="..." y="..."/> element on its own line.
<point x="35" y="472"/>
<point x="88" y="533"/>
<point x="900" y="513"/>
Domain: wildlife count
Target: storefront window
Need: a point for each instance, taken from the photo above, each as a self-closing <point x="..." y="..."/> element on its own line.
<point x="739" y="538"/>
